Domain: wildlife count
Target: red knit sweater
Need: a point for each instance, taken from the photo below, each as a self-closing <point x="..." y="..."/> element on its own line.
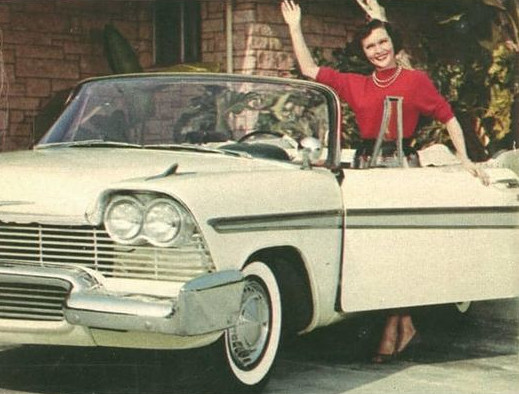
<point x="367" y="100"/>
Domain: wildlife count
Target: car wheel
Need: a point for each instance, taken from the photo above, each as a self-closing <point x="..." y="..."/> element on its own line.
<point x="250" y="347"/>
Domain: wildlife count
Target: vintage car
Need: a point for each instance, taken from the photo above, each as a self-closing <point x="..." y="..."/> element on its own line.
<point x="220" y="212"/>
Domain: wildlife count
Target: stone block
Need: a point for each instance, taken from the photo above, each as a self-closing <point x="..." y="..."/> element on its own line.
<point x="50" y="68"/>
<point x="37" y="87"/>
<point x="16" y="116"/>
<point x="256" y="42"/>
<point x="48" y="23"/>
<point x="215" y="7"/>
<point x="213" y="25"/>
<point x="5" y="15"/>
<point x="262" y="29"/>
<point x="247" y="16"/>
<point x="17" y="88"/>
<point x="268" y="13"/>
<point x="23" y="103"/>
<point x="73" y="47"/>
<point x="40" y="7"/>
<point x="267" y="60"/>
<point x="8" y="55"/>
<point x="245" y="62"/>
<point x="93" y="65"/>
<point x="25" y="52"/>
<point x="61" y="84"/>
<point x="18" y="37"/>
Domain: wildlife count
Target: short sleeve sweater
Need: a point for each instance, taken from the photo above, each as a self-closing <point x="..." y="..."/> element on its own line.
<point x="366" y="99"/>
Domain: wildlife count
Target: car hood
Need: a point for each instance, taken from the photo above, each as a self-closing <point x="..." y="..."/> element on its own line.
<point x="59" y="184"/>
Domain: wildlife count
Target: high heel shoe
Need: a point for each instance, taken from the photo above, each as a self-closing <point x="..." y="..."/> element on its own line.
<point x="381" y="358"/>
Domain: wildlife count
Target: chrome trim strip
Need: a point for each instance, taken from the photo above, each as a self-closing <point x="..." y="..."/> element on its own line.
<point x="8" y="203"/>
<point x="279" y="222"/>
<point x="434" y="218"/>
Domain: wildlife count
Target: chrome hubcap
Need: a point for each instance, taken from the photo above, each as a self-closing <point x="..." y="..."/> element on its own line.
<point x="248" y="339"/>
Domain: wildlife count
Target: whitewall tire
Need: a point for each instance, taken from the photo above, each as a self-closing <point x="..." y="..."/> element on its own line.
<point x="252" y="345"/>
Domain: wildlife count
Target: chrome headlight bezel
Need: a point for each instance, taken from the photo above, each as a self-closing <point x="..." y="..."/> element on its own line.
<point x="111" y="217"/>
<point x="175" y="226"/>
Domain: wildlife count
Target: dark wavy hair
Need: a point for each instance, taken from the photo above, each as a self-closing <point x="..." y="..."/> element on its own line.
<point x="366" y="30"/>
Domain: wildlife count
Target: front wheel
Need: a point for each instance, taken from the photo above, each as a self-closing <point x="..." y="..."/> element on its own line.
<point x="249" y="349"/>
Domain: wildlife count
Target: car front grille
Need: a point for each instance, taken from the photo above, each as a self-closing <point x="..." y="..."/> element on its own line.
<point x="93" y="248"/>
<point x="30" y="301"/>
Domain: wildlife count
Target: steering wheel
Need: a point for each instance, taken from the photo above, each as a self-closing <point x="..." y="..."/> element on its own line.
<point x="292" y="143"/>
<point x="259" y="132"/>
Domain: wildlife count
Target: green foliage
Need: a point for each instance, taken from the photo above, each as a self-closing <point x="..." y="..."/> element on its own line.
<point x="480" y="92"/>
<point x="209" y="112"/>
<point x="463" y="84"/>
<point x="500" y="82"/>
<point x="296" y="115"/>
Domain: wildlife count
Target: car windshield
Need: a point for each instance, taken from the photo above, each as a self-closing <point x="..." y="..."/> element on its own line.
<point x="169" y="112"/>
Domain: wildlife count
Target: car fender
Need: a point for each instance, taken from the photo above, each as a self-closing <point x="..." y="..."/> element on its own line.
<point x="241" y="213"/>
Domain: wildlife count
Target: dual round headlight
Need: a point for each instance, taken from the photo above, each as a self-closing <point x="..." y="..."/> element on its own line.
<point x="159" y="221"/>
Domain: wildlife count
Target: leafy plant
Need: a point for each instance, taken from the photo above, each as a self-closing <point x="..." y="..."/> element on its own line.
<point x="208" y="113"/>
<point x="296" y="115"/>
<point x="500" y="82"/>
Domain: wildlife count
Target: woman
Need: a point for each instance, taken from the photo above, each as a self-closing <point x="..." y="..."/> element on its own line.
<point x="366" y="95"/>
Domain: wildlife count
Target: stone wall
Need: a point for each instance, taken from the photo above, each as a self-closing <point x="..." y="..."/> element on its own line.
<point x="49" y="45"/>
<point x="213" y="33"/>
<point x="261" y="39"/>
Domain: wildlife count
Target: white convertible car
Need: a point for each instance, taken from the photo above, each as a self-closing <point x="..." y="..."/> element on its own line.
<point x="178" y="211"/>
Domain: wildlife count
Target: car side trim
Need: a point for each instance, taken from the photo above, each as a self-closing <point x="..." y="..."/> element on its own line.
<point x="279" y="222"/>
<point x="434" y="218"/>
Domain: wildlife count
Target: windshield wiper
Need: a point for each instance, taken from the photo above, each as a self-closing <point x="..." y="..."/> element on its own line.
<point x="88" y="144"/>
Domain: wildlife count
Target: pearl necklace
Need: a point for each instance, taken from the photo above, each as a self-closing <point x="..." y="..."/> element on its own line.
<point x="384" y="83"/>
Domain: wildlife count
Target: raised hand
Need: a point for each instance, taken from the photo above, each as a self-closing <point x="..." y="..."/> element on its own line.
<point x="291" y="12"/>
<point x="373" y="9"/>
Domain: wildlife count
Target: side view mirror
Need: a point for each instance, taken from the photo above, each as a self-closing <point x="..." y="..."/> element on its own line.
<point x="312" y="150"/>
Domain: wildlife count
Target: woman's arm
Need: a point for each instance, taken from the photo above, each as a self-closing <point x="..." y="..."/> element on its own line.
<point x="292" y="15"/>
<point x="456" y="134"/>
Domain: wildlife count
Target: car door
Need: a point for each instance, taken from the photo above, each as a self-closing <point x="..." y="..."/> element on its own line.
<point x="433" y="235"/>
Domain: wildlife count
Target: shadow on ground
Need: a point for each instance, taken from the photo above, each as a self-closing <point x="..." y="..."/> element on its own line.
<point x="446" y="336"/>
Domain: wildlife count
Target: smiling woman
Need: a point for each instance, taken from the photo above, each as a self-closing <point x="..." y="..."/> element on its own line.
<point x="366" y="94"/>
<point x="388" y="105"/>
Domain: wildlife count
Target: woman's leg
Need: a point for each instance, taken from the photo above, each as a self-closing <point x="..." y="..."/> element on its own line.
<point x="388" y="342"/>
<point x="407" y="332"/>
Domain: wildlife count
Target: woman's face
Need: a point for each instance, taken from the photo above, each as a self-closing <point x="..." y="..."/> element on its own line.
<point x="379" y="49"/>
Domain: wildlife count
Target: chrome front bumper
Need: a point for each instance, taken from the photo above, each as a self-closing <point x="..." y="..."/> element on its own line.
<point x="204" y="305"/>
